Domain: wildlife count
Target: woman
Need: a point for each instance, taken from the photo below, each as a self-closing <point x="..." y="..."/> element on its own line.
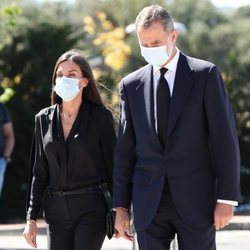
<point x="72" y="154"/>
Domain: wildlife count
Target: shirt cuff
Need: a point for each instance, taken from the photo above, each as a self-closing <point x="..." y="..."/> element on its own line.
<point x="233" y="203"/>
<point x="119" y="208"/>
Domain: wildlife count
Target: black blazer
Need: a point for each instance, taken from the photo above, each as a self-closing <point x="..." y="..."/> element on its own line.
<point x="84" y="159"/>
<point x="201" y="159"/>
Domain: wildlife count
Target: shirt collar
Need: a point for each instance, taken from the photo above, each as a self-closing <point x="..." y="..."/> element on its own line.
<point x="172" y="65"/>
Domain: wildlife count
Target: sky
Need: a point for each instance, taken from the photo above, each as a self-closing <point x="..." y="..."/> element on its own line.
<point x="217" y="3"/>
<point x="230" y="3"/>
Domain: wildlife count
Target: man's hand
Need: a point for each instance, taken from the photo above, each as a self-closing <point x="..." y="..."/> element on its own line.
<point x="222" y="215"/>
<point x="122" y="224"/>
<point x="30" y="233"/>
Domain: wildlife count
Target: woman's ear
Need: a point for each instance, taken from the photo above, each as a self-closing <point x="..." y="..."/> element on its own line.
<point x="83" y="82"/>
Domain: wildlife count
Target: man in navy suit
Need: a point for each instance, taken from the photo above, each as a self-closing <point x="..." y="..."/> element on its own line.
<point x="177" y="158"/>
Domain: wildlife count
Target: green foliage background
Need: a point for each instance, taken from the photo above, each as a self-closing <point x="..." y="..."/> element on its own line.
<point x="32" y="36"/>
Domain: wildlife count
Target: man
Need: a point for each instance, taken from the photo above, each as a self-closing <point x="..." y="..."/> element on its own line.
<point x="6" y="141"/>
<point x="177" y="157"/>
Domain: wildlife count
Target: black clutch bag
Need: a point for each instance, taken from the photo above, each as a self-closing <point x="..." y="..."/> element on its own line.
<point x="110" y="218"/>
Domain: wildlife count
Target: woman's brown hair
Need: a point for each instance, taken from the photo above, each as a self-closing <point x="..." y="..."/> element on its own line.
<point x="90" y="92"/>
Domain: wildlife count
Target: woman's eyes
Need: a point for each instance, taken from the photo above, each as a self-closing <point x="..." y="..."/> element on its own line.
<point x="69" y="76"/>
<point x="72" y="76"/>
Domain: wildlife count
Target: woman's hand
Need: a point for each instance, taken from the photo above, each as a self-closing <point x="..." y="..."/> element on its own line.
<point x="30" y="233"/>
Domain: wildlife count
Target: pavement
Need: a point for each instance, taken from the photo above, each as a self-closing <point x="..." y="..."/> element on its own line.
<point x="236" y="236"/>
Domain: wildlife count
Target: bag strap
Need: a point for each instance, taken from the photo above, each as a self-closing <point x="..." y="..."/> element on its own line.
<point x="106" y="193"/>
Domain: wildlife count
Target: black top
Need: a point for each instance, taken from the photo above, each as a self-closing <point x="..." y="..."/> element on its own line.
<point x="84" y="159"/>
<point x="4" y="118"/>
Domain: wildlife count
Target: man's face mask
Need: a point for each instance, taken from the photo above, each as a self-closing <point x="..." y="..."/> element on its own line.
<point x="157" y="56"/>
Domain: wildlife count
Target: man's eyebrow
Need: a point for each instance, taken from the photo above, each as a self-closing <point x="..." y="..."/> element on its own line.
<point x="156" y="41"/>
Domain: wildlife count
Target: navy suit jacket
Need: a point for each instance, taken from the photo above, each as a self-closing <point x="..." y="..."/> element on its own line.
<point x="201" y="159"/>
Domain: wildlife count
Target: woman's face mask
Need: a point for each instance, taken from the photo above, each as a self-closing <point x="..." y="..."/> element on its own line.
<point x="67" y="88"/>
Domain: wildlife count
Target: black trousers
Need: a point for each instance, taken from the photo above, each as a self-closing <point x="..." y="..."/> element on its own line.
<point x="167" y="223"/>
<point x="76" y="222"/>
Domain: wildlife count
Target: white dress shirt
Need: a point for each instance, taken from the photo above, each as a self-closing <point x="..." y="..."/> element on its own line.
<point x="170" y="77"/>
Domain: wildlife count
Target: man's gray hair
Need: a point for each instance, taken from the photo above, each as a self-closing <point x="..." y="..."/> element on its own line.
<point x="152" y="14"/>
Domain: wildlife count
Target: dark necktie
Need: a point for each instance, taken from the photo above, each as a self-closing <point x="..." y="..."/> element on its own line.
<point x="163" y="99"/>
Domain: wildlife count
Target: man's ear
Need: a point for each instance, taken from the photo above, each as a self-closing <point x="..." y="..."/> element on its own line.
<point x="175" y="35"/>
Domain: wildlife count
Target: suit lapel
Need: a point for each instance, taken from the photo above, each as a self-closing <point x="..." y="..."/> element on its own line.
<point x="145" y="98"/>
<point x="146" y="85"/>
<point x="182" y="87"/>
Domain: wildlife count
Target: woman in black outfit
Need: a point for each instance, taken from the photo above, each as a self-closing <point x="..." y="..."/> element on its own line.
<point x="72" y="154"/>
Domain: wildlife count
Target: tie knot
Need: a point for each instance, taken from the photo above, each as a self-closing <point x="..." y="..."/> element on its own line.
<point x="163" y="71"/>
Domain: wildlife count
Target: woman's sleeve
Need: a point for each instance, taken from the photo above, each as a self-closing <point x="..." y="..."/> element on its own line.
<point x="38" y="178"/>
<point x="108" y="141"/>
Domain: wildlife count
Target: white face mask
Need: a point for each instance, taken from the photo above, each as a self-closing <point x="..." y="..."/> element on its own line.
<point x="67" y="88"/>
<point x="157" y="56"/>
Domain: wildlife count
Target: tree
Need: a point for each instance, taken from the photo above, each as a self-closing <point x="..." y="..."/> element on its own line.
<point x="223" y="38"/>
<point x="120" y="12"/>
<point x="8" y="16"/>
<point x="43" y="32"/>
<point x="31" y="56"/>
<point x="211" y="35"/>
